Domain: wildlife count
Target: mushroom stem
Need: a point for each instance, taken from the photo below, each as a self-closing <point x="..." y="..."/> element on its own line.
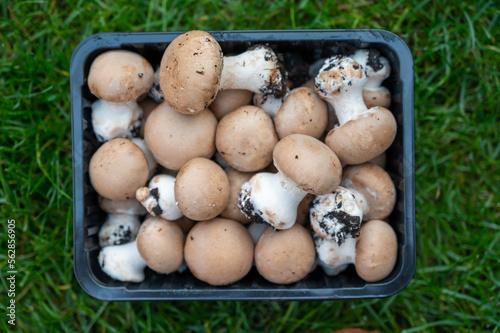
<point x="159" y="198"/>
<point x="123" y="262"/>
<point x="119" y="229"/>
<point x="271" y="198"/>
<point x="255" y="70"/>
<point x="340" y="82"/>
<point x="334" y="258"/>
<point x="116" y="120"/>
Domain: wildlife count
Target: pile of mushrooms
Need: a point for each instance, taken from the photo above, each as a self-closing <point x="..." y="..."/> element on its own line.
<point x="200" y="177"/>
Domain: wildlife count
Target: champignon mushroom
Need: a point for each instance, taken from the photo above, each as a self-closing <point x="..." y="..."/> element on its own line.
<point x="201" y="189"/>
<point x="120" y="76"/>
<point x="245" y="138"/>
<point x="302" y="112"/>
<point x="269" y="103"/>
<point x="115" y="120"/>
<point x="122" y="262"/>
<point x="336" y="216"/>
<point x="229" y="100"/>
<point x="219" y="251"/>
<point x="236" y="179"/>
<point x="161" y="244"/>
<point x="190" y="71"/>
<point x="376" y="251"/>
<point x="159" y="199"/>
<point x="373" y="188"/>
<point x="377" y="70"/>
<point x="130" y="206"/>
<point x="285" y="256"/>
<point x="117" y="169"/>
<point x="306" y="165"/>
<point x="363" y="133"/>
<point x="174" y="138"/>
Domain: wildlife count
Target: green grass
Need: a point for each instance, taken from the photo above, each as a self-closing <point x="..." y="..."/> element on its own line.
<point x="456" y="51"/>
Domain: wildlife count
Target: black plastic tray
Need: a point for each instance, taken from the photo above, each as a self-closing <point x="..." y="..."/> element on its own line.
<point x="311" y="45"/>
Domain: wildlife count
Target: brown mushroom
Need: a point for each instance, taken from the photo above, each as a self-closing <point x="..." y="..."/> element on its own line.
<point x="302" y="112"/>
<point x="117" y="169"/>
<point x="201" y="189"/>
<point x="190" y="71"/>
<point x="236" y="179"/>
<point x="161" y="245"/>
<point x="120" y="76"/>
<point x="376" y="251"/>
<point x="373" y="188"/>
<point x="245" y="138"/>
<point x="175" y="138"/>
<point x="229" y="100"/>
<point x="219" y="251"/>
<point x="285" y="256"/>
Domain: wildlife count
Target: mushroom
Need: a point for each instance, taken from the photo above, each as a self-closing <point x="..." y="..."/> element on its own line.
<point x="269" y="103"/>
<point x="115" y="120"/>
<point x="285" y="256"/>
<point x="122" y="262"/>
<point x="152" y="164"/>
<point x="377" y="70"/>
<point x="201" y="189"/>
<point x="155" y="92"/>
<point x="130" y="206"/>
<point x="256" y="229"/>
<point x="161" y="244"/>
<point x="118" y="229"/>
<point x="302" y="112"/>
<point x="379" y="160"/>
<point x="362" y="133"/>
<point x="256" y="69"/>
<point x="159" y="199"/>
<point x="185" y="224"/>
<point x="332" y="257"/>
<point x="337" y="215"/>
<point x="303" y="210"/>
<point x="376" y="251"/>
<point x="117" y="169"/>
<point x="306" y="165"/>
<point x="245" y="138"/>
<point x="120" y="76"/>
<point x="373" y="188"/>
<point x="229" y="100"/>
<point x="236" y="179"/>
<point x="219" y="251"/>
<point x="190" y="72"/>
<point x="175" y="138"/>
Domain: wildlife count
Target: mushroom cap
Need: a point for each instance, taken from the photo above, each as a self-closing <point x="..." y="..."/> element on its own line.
<point x="175" y="138"/>
<point x="185" y="224"/>
<point x="201" y="189"/>
<point x="236" y="179"/>
<point x="376" y="251"/>
<point x="245" y="138"/>
<point x="309" y="163"/>
<point x="302" y="112"/>
<point x="285" y="256"/>
<point x="120" y="76"/>
<point x="161" y="245"/>
<point x="364" y="137"/>
<point x="377" y="97"/>
<point x="229" y="100"/>
<point x="378" y="193"/>
<point x="190" y="71"/>
<point x="117" y="169"/>
<point x="303" y="210"/>
<point x="219" y="251"/>
<point x="130" y="207"/>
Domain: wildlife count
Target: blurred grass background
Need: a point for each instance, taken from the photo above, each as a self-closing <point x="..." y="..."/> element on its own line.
<point x="456" y="51"/>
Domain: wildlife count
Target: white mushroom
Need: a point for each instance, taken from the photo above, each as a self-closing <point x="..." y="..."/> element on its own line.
<point x="116" y="120"/>
<point x="159" y="198"/>
<point x="122" y="262"/>
<point x="119" y="229"/>
<point x="332" y="257"/>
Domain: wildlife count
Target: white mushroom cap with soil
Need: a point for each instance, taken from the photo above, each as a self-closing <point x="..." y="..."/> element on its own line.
<point x="306" y="165"/>
<point x="362" y="133"/>
<point x="119" y="229"/>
